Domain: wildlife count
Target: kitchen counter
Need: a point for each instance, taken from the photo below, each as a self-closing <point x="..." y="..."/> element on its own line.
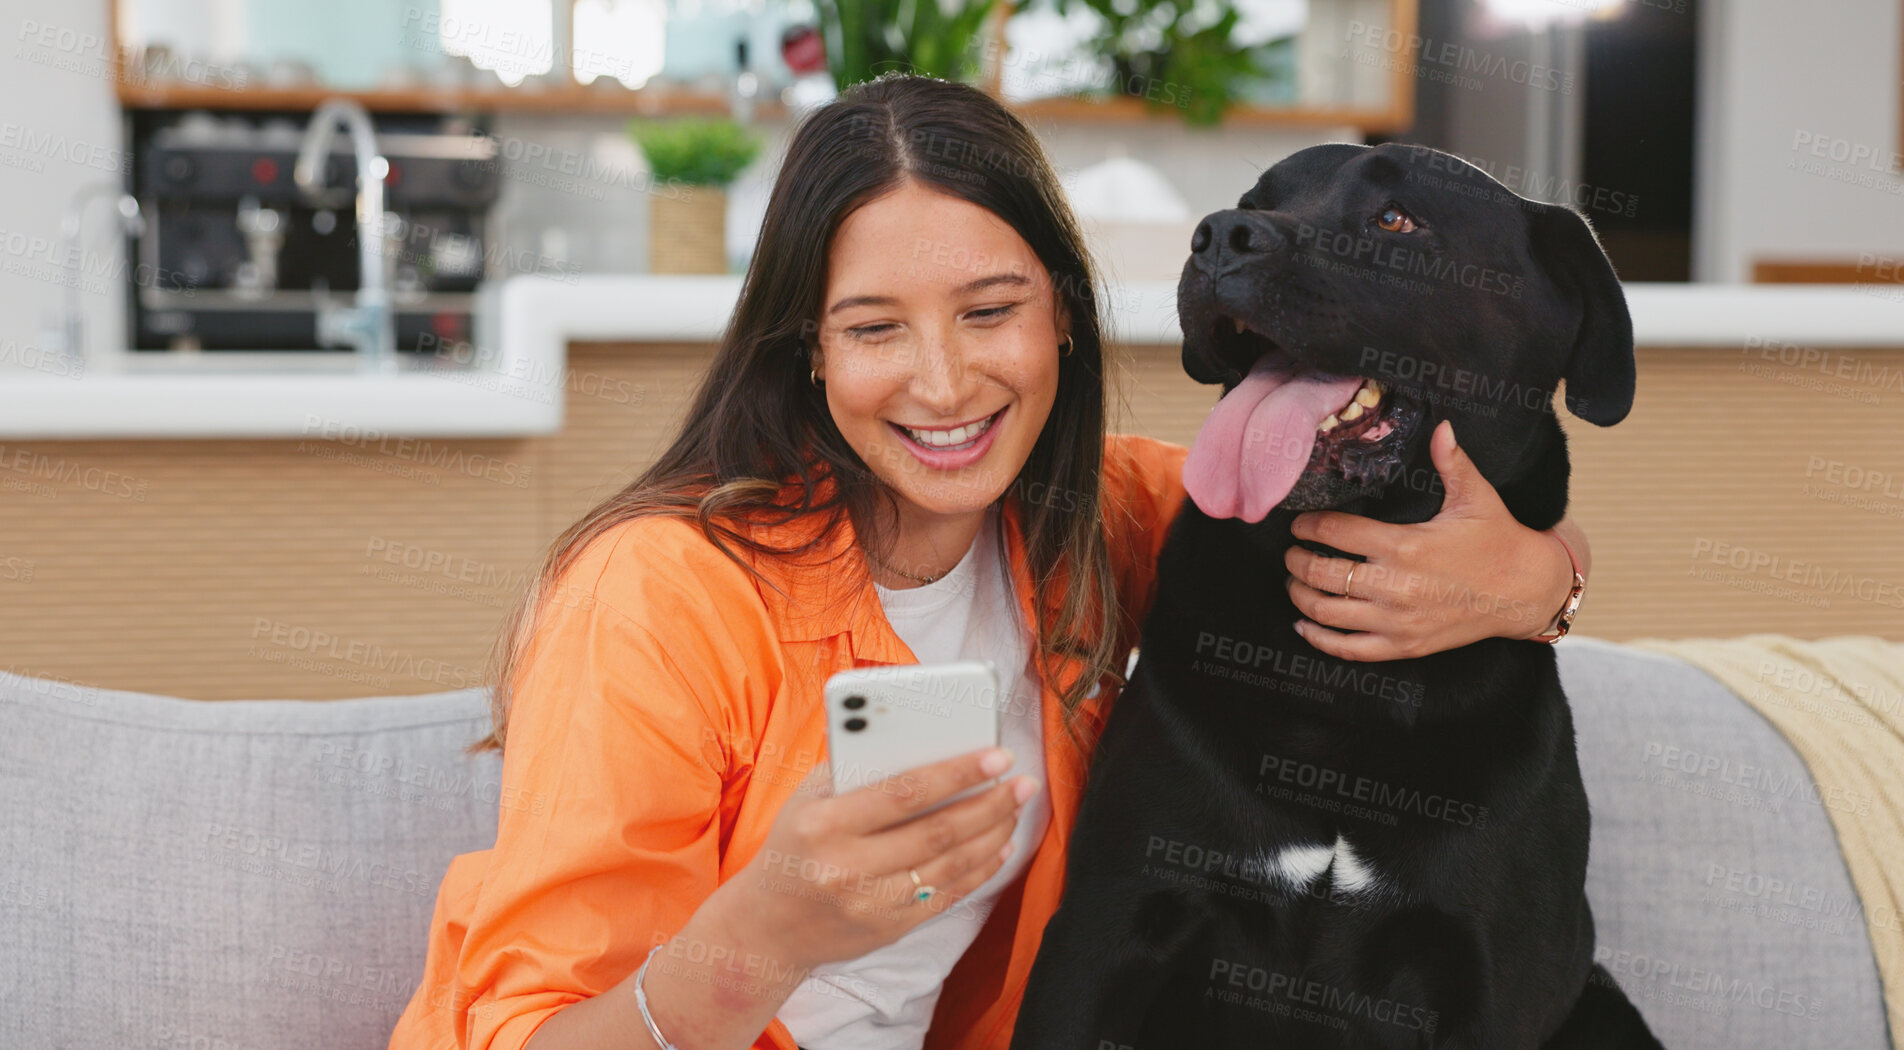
<point x="642" y="307"/>
<point x="516" y="384"/>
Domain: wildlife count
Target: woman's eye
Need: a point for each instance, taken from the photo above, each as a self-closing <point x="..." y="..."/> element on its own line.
<point x="869" y="330"/>
<point x="1395" y="220"/>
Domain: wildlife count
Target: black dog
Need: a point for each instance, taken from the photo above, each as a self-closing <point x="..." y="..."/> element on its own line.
<point x="1278" y="848"/>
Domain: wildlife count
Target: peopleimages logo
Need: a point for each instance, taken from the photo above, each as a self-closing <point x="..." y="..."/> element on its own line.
<point x="1389" y="256"/>
<point x="1461" y="58"/>
<point x="1845" y="151"/>
<point x="1825" y="580"/>
<point x="1328" y="1004"/>
<point x="1393" y="798"/>
<point x="451" y="458"/>
<point x="1415" y="370"/>
<point x="1519" y="181"/>
<point x="1671" y="980"/>
<point x="1337" y="675"/>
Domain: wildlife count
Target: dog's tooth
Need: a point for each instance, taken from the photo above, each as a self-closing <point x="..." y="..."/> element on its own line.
<point x="1239" y="325"/>
<point x="1368" y="398"/>
<point x="1328" y="424"/>
<point x="1375" y="385"/>
<point x="1352" y="413"/>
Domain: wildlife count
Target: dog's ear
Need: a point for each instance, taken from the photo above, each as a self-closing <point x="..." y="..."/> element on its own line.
<point x="1599" y="372"/>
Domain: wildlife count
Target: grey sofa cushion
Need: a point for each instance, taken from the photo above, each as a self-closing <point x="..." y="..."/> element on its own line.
<point x="261" y="874"/>
<point x="241" y="874"/>
<point x="1720" y="900"/>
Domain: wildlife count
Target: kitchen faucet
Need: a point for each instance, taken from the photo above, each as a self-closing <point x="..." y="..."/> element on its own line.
<point x="69" y="337"/>
<point x="369" y="325"/>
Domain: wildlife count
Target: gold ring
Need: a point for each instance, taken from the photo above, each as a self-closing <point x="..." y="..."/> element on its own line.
<point x="1350" y="577"/>
<point x="922" y="892"/>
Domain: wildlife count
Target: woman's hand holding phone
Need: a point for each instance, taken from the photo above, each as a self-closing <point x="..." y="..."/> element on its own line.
<point x="831" y="881"/>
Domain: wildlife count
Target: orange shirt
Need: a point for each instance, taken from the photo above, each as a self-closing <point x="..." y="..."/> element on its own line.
<point x="668" y="705"/>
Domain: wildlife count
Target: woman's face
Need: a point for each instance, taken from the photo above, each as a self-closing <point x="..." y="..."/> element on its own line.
<point x="939" y="340"/>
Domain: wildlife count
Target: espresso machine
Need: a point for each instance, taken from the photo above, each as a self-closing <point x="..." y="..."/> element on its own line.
<point x="243" y="249"/>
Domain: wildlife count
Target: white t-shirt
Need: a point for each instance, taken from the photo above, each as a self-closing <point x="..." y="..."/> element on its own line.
<point x="884" y="1000"/>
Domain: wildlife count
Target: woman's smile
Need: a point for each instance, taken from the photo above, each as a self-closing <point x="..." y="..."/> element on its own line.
<point x="951" y="447"/>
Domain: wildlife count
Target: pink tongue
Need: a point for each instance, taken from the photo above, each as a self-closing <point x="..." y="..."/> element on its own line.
<point x="1258" y="438"/>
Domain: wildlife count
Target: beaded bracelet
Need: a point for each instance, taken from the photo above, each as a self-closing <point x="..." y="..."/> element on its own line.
<point x="641" y="1000"/>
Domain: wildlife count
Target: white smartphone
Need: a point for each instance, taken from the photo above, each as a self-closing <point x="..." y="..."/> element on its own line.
<point x="885" y="721"/>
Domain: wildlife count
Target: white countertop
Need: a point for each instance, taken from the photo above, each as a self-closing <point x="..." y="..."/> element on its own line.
<point x="507" y="388"/>
<point x="524" y="326"/>
<point x="643" y="307"/>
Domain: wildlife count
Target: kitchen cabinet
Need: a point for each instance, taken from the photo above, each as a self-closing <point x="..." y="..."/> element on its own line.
<point x="1356" y="62"/>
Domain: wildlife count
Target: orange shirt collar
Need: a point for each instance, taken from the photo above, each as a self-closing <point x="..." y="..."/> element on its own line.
<point x="828" y="590"/>
<point x="829" y="593"/>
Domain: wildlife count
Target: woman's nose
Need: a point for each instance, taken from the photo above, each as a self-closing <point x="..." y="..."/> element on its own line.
<point x="940" y="376"/>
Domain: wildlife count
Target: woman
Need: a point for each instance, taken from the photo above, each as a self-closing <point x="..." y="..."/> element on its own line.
<point x="898" y="454"/>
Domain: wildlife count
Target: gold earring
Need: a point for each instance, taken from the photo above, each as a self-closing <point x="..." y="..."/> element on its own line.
<point x="813" y="376"/>
<point x="1068" y="347"/>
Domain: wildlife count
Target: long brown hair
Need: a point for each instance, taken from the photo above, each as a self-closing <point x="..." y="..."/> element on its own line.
<point x="756" y="419"/>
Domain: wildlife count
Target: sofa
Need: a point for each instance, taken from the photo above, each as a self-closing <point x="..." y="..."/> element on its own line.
<point x="261" y="874"/>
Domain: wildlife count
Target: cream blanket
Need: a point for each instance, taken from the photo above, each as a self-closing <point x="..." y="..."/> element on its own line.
<point x="1840" y="702"/>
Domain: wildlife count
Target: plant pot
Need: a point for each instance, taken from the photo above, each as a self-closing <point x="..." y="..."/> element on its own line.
<point x="688" y="233"/>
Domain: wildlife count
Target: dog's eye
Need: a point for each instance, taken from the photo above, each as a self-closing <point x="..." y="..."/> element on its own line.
<point x="1395" y="220"/>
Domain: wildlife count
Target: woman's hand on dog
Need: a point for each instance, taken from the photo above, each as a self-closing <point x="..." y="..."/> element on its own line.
<point x="1470" y="572"/>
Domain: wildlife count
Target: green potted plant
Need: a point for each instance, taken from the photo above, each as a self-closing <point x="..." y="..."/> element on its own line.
<point x="693" y="160"/>
<point x="937" y="38"/>
<point x="1172" y="55"/>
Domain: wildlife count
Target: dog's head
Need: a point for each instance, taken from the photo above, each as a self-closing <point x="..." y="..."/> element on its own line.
<point x="1357" y="295"/>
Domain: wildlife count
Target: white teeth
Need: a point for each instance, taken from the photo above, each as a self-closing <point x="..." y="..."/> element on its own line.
<point x="951" y="438"/>
<point x="1367" y="397"/>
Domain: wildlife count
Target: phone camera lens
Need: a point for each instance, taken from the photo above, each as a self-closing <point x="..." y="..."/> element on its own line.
<point x="853" y="703"/>
<point x="854" y="725"/>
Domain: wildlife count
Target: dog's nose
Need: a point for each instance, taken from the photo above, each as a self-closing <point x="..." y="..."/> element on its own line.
<point x="1225" y="240"/>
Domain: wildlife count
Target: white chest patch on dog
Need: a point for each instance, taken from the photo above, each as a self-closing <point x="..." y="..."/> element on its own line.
<point x="1350" y="871"/>
<point x="1300" y="865"/>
